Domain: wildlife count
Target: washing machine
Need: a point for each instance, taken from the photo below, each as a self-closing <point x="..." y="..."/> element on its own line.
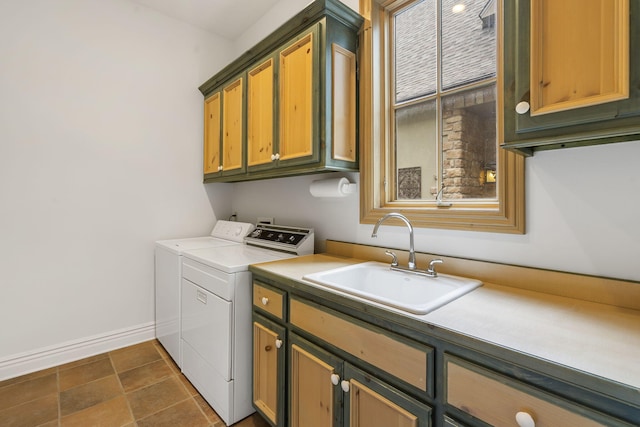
<point x="168" y="274"/>
<point x="216" y="306"/>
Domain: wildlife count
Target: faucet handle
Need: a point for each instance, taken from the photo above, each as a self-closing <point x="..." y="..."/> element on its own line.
<point x="394" y="259"/>
<point x="432" y="267"/>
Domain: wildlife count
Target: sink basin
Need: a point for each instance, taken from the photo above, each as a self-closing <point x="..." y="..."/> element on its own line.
<point x="410" y="292"/>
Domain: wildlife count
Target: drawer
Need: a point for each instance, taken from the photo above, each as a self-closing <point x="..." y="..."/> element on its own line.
<point x="496" y="399"/>
<point x="400" y="357"/>
<point x="269" y="300"/>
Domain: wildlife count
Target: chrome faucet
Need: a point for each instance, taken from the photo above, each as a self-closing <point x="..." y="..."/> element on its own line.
<point x="412" y="252"/>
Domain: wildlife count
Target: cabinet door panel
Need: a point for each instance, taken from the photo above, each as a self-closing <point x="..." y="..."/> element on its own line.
<point x="297" y="99"/>
<point x="311" y="391"/>
<point x="344" y="104"/>
<point x="591" y="64"/>
<point x="212" y="133"/>
<point x="268" y="370"/>
<point x="260" y="98"/>
<point x="232" y="126"/>
<point x="372" y="403"/>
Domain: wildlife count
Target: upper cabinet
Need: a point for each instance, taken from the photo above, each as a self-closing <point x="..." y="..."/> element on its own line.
<point x="570" y="77"/>
<point x="224" y="130"/>
<point x="288" y="105"/>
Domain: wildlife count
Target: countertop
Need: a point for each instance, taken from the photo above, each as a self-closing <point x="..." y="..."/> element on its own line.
<point x="598" y="339"/>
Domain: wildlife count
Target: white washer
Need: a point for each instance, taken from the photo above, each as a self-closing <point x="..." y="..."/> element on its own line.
<point x="168" y="274"/>
<point x="216" y="316"/>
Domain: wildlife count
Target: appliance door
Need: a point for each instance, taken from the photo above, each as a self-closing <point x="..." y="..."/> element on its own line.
<point x="207" y="327"/>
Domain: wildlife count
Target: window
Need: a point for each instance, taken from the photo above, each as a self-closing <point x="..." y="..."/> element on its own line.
<point x="430" y="124"/>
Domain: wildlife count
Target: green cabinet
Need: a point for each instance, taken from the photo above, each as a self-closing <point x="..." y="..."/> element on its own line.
<point x="300" y="113"/>
<point x="571" y="76"/>
<point x="342" y="363"/>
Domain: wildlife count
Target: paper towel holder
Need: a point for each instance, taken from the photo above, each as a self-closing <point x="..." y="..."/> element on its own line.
<point x="332" y="187"/>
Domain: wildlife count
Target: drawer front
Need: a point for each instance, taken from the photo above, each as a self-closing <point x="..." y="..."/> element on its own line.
<point x="496" y="399"/>
<point x="409" y="362"/>
<point x="269" y="300"/>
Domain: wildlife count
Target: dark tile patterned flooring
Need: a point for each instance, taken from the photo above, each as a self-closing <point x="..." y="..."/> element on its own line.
<point x="133" y="386"/>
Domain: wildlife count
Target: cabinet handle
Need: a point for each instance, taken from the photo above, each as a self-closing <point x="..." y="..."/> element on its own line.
<point x="525" y="419"/>
<point x="522" y="107"/>
<point x="335" y="379"/>
<point x="275" y="156"/>
<point x="345" y="386"/>
<point x="219" y="168"/>
<point x="265" y="300"/>
<point x="278" y="343"/>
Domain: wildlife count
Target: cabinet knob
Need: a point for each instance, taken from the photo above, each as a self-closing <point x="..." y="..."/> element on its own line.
<point x="273" y="157"/>
<point x="219" y="168"/>
<point x="522" y="107"/>
<point x="525" y="419"/>
<point x="265" y="300"/>
<point x="278" y="343"/>
<point x="335" y="379"/>
<point x="345" y="386"/>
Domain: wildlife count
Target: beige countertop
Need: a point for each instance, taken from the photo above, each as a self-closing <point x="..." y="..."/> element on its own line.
<point x="599" y="339"/>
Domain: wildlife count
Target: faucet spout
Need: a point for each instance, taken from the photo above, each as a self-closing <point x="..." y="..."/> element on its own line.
<point x="412" y="252"/>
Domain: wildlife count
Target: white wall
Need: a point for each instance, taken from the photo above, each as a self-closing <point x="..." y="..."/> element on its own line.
<point x="100" y="155"/>
<point x="582" y="208"/>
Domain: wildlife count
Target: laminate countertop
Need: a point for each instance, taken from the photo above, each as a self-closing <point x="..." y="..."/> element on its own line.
<point x="598" y="339"/>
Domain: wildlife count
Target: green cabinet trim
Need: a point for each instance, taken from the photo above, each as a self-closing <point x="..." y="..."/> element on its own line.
<point x="615" y="121"/>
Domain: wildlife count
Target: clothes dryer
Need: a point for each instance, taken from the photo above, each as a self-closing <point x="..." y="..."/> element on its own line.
<point x="216" y="314"/>
<point x="168" y="274"/>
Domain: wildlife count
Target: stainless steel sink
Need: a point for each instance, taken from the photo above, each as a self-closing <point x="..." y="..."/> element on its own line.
<point x="406" y="291"/>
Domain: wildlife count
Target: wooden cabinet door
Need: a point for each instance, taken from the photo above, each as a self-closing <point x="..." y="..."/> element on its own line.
<point x="372" y="403"/>
<point x="568" y="76"/>
<point x="233" y="127"/>
<point x="260" y="117"/>
<point x="591" y="63"/>
<point x="314" y="389"/>
<point x="268" y="369"/>
<point x="298" y="83"/>
<point x="212" y="120"/>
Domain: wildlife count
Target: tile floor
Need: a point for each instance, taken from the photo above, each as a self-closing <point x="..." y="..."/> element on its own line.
<point x="134" y="386"/>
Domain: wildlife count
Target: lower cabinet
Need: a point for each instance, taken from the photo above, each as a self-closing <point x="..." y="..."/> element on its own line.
<point x="327" y="391"/>
<point x="317" y="366"/>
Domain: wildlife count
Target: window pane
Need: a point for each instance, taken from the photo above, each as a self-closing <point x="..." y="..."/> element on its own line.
<point x="415" y="50"/>
<point x="416" y="151"/>
<point x="469" y="145"/>
<point x="468" y="41"/>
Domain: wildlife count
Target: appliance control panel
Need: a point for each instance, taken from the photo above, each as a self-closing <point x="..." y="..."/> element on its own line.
<point x="297" y="240"/>
<point x="231" y="230"/>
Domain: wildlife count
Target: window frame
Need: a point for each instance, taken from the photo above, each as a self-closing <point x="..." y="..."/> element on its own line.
<point x="505" y="214"/>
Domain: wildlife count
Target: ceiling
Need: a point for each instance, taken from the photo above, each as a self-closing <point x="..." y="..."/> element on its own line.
<point x="226" y="18"/>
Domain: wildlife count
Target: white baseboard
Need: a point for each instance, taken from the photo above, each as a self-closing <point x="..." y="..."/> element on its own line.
<point x="32" y="361"/>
